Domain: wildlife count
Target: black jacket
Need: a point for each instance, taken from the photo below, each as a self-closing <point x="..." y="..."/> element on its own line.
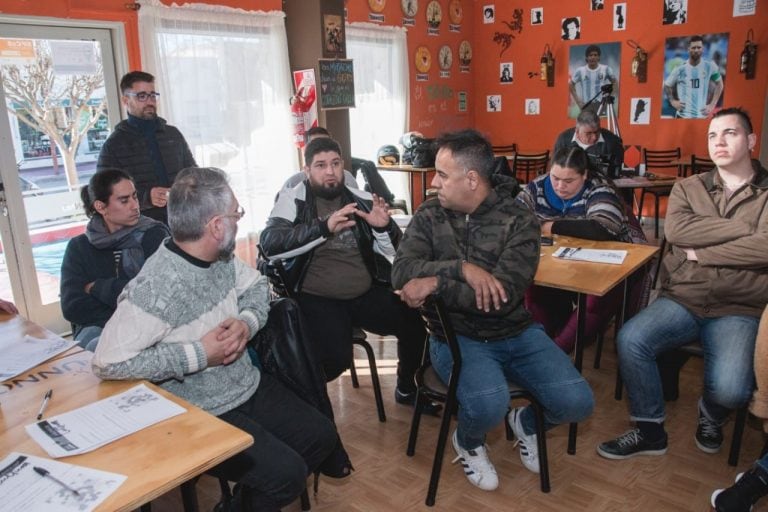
<point x="612" y="147"/>
<point x="293" y="231"/>
<point x="127" y="149"/>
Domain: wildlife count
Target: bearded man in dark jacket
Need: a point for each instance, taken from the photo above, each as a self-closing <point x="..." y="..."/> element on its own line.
<point x="336" y="244"/>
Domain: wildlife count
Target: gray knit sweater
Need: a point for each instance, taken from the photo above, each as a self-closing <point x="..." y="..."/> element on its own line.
<point x="164" y="312"/>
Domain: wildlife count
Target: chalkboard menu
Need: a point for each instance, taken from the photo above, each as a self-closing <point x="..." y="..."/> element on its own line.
<point x="337" y="83"/>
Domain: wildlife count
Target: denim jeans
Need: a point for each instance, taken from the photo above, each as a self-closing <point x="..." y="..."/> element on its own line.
<point x="88" y="337"/>
<point x="728" y="343"/>
<point x="530" y="360"/>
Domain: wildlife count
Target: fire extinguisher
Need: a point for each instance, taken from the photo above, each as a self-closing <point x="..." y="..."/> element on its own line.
<point x="299" y="109"/>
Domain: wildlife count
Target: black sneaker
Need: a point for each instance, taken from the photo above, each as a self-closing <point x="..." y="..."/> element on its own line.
<point x="709" y="435"/>
<point x="749" y="487"/>
<point x="431" y="408"/>
<point x="631" y="443"/>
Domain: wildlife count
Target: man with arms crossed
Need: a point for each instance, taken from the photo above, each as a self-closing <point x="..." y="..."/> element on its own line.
<point x="478" y="249"/>
<point x="183" y="322"/>
<point x="694" y="87"/>
<point x="714" y="286"/>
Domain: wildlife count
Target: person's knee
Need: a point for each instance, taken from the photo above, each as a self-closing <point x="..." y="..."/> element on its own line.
<point x="574" y="402"/>
<point x="632" y="342"/>
<point x="731" y="395"/>
<point x="486" y="407"/>
<point x="289" y="481"/>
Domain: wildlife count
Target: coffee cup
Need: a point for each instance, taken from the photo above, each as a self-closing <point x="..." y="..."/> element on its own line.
<point x="641" y="170"/>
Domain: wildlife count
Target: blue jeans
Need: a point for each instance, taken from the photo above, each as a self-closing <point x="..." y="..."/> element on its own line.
<point x="88" y="337"/>
<point x="530" y="360"/>
<point x="728" y="343"/>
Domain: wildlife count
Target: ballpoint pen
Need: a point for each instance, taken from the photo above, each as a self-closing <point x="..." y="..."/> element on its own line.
<point x="47" y="474"/>
<point x="46" y="398"/>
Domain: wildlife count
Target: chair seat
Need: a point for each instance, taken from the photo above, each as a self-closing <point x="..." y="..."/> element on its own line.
<point x="434" y="385"/>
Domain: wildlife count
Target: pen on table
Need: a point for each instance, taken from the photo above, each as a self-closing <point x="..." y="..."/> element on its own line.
<point x="46" y="399"/>
<point x="45" y="473"/>
<point x="575" y="251"/>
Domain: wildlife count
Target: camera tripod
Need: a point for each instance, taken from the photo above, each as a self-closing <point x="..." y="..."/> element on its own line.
<point x="605" y="108"/>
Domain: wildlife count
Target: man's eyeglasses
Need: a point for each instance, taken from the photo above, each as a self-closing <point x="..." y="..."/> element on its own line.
<point x="143" y="96"/>
<point x="239" y="213"/>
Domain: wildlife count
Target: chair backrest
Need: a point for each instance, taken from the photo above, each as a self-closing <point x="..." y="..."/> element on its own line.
<point x="438" y="324"/>
<point x="375" y="184"/>
<point x="503" y="150"/>
<point x="530" y="164"/>
<point x="699" y="165"/>
<point x="660" y="159"/>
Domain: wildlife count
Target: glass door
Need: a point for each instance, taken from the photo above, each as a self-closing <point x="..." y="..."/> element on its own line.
<point x="61" y="100"/>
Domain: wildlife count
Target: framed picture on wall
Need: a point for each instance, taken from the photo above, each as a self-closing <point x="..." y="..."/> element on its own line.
<point x="333" y="36"/>
<point x="593" y="77"/>
<point x="694" y="75"/>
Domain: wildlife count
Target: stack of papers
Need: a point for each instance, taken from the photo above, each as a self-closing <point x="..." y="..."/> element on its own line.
<point x="22" y="352"/>
<point x="615" y="257"/>
<point x="67" y="488"/>
<point x="102" y="422"/>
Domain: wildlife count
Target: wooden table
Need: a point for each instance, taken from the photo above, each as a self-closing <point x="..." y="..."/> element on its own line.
<point x="643" y="182"/>
<point x="587" y="278"/>
<point x="155" y="459"/>
<point x="412" y="172"/>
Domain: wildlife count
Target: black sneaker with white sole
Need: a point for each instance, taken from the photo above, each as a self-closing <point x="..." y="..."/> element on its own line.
<point x="631" y="443"/>
<point x="709" y="434"/>
<point x="431" y="408"/>
<point x="748" y="489"/>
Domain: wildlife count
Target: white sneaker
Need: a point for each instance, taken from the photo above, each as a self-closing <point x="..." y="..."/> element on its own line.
<point x="529" y="449"/>
<point x="477" y="466"/>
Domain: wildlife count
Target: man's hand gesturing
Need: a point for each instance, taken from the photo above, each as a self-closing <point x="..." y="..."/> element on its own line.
<point x="378" y="217"/>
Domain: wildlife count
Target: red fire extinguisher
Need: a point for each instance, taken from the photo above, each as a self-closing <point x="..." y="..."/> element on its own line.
<point x="299" y="108"/>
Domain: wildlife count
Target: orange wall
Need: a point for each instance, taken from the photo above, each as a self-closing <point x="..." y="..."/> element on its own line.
<point x="434" y="103"/>
<point x="643" y="24"/>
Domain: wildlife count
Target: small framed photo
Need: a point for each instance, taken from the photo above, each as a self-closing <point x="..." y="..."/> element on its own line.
<point x="532" y="106"/>
<point x="537" y="16"/>
<point x="640" y="111"/>
<point x="493" y="103"/>
<point x="620" y="16"/>
<point x="489" y="13"/>
<point x="596" y="5"/>
<point x="505" y="73"/>
<point x="333" y="36"/>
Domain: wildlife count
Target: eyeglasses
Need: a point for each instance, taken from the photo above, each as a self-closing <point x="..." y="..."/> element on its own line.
<point x="239" y="213"/>
<point x="143" y="96"/>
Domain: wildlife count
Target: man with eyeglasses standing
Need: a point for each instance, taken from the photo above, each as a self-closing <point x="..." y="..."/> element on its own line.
<point x="146" y="146"/>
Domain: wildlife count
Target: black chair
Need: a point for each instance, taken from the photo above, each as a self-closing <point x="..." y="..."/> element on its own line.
<point x="671" y="363"/>
<point x="431" y="387"/>
<point x="699" y="165"/>
<point x="505" y="150"/>
<point x="276" y="272"/>
<point x="375" y="184"/>
<point x="528" y="165"/>
<point x="661" y="159"/>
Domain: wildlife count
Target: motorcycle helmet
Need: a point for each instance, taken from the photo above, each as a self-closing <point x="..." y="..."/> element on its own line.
<point x="388" y="155"/>
<point x="407" y="138"/>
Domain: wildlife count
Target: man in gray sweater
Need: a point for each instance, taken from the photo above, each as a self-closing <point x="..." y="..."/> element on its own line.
<point x="184" y="321"/>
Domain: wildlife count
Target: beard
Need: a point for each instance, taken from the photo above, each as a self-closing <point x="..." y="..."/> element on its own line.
<point x="227" y="248"/>
<point x="327" y="191"/>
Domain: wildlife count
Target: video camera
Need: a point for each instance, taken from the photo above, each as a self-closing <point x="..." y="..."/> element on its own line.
<point x="605" y="165"/>
<point x="606" y="89"/>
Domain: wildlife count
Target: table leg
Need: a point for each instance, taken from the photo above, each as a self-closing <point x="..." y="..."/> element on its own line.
<point x="620" y="317"/>
<point x="581" y="317"/>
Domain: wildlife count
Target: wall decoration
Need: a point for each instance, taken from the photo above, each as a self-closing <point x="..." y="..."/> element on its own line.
<point x="571" y="28"/>
<point x="489" y="13"/>
<point x="462" y="96"/>
<point x="505" y="73"/>
<point x="434" y="15"/>
<point x="675" y="12"/>
<point x="465" y="55"/>
<point x="744" y="7"/>
<point x="456" y="12"/>
<point x="640" y="111"/>
<point x="423" y="61"/>
<point x="409" y="7"/>
<point x="593" y="69"/>
<point x="620" y="16"/>
<point x="337" y="83"/>
<point x="532" y="106"/>
<point x="537" y="16"/>
<point x="596" y="5"/>
<point x="504" y="39"/>
<point x="493" y="103"/>
<point x="333" y="36"/>
<point x="377" y="5"/>
<point x="694" y="75"/>
<point x="445" y="61"/>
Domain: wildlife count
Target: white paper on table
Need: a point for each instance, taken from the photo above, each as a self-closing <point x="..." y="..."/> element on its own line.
<point x="100" y="423"/>
<point x="22" y="352"/>
<point x="615" y="257"/>
<point x="21" y="488"/>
